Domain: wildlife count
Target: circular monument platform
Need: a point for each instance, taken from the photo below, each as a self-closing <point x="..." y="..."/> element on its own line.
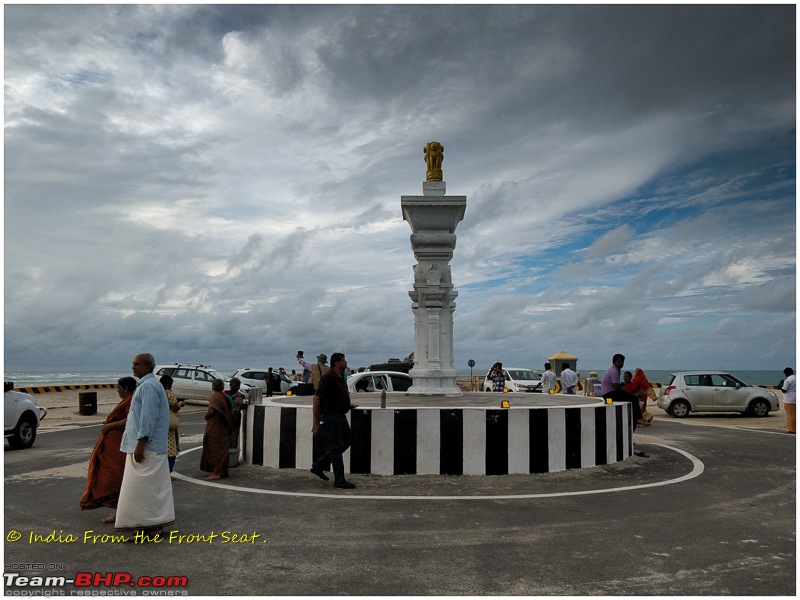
<point x="466" y="435"/>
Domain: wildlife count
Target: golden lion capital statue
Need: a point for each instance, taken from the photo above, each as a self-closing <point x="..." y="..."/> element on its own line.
<point x="434" y="155"/>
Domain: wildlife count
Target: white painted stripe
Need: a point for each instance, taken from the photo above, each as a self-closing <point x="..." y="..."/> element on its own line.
<point x="304" y="451"/>
<point x="611" y="434"/>
<point x="519" y="446"/>
<point x="272" y="436"/>
<point x="627" y="413"/>
<point x="588" y="439"/>
<point x="557" y="439"/>
<point x="428" y="443"/>
<point x="474" y="452"/>
<point x="382" y="443"/>
<point x="697" y="470"/>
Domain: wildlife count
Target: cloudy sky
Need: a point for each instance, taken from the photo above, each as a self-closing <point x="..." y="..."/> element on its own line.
<point x="221" y="184"/>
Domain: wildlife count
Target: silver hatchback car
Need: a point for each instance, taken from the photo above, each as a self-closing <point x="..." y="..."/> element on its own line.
<point x="714" y="391"/>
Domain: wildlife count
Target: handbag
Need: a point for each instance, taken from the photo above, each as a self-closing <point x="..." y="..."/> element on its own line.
<point x="174" y="420"/>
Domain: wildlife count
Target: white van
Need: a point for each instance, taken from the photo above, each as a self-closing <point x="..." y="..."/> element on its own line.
<point x="517" y="380"/>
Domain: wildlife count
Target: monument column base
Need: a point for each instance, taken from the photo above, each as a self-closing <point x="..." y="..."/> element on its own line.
<point x="434" y="382"/>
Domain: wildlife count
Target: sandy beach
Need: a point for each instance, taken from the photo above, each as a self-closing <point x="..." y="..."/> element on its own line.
<point x="62" y="411"/>
<point x="62" y="408"/>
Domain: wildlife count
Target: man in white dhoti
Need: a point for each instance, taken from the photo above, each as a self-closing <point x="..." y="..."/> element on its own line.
<point x="145" y="500"/>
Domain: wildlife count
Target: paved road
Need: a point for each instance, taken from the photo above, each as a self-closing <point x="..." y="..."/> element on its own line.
<point x="710" y="512"/>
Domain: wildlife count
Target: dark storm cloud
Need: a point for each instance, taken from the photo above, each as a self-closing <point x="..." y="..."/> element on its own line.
<point x="221" y="183"/>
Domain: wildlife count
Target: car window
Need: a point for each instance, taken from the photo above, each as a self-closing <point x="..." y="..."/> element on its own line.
<point x="523" y="375"/>
<point x="693" y="380"/>
<point x="400" y="384"/>
<point x="182" y="374"/>
<point x="254" y="374"/>
<point x="379" y="382"/>
<point x="362" y="384"/>
<point x="722" y="381"/>
<point x="212" y="375"/>
<point x="208" y="377"/>
<point x="166" y="371"/>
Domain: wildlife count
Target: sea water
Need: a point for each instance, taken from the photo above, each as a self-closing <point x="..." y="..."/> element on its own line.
<point x="67" y="377"/>
<point x="753" y="377"/>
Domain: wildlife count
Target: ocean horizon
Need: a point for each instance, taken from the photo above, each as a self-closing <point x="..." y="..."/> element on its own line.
<point x="76" y="377"/>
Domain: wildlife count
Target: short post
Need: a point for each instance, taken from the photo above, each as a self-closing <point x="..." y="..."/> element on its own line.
<point x="87" y="403"/>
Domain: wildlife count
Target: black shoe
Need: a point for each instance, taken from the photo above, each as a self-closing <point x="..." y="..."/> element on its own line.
<point x="345" y="485"/>
<point x="319" y="474"/>
<point x="641" y="453"/>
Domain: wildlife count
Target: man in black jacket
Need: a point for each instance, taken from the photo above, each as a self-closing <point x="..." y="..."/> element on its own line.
<point x="330" y="407"/>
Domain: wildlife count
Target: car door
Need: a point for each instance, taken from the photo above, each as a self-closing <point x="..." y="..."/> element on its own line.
<point x="727" y="396"/>
<point x="255" y="379"/>
<point x="201" y="385"/>
<point x="8" y="412"/>
<point x="698" y="390"/>
<point x="380" y="383"/>
<point x="182" y="383"/>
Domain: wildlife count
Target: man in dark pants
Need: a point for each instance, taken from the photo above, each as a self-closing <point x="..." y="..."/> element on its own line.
<point x="611" y="387"/>
<point x="331" y="403"/>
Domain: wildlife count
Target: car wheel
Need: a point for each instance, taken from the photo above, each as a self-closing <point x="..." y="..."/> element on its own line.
<point x="25" y="434"/>
<point x="759" y="408"/>
<point x="680" y="409"/>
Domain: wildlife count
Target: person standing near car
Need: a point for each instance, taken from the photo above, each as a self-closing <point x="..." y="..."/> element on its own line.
<point x="330" y="406"/>
<point x="569" y="380"/>
<point x="611" y="387"/>
<point x="318" y="370"/>
<point x="498" y="377"/>
<point x="145" y="499"/>
<point x="270" y="378"/>
<point x="548" y="379"/>
<point x="789" y="398"/>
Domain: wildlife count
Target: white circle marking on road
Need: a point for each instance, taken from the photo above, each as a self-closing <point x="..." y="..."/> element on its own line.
<point x="697" y="470"/>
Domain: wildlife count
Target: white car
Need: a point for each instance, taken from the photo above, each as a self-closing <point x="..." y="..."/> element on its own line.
<point x="714" y="391"/>
<point x="517" y="380"/>
<point x="376" y="381"/>
<point x="255" y="378"/>
<point x="22" y="417"/>
<point x="193" y="382"/>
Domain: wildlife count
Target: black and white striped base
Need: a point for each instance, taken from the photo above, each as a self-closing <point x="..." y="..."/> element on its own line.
<point x="452" y="441"/>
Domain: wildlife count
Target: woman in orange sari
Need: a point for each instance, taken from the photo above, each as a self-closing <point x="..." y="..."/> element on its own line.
<point x="107" y="462"/>
<point x="216" y="438"/>
<point x="639" y="386"/>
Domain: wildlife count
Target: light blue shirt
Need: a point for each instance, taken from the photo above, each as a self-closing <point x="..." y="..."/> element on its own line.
<point x="148" y="417"/>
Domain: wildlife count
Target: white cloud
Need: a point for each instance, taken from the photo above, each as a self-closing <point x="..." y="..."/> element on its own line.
<point x="222" y="184"/>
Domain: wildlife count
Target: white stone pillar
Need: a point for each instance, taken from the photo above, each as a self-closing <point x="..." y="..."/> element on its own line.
<point x="433" y="218"/>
